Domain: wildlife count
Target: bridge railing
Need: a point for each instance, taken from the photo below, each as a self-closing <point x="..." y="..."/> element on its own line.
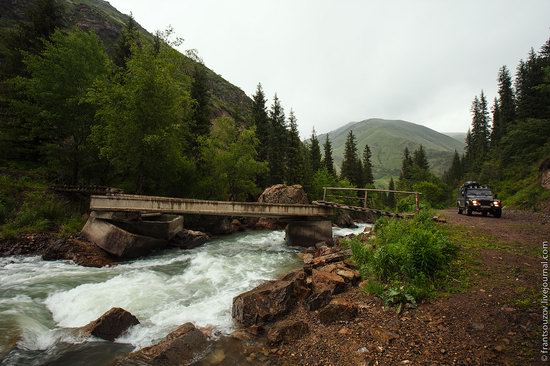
<point x="361" y="195"/>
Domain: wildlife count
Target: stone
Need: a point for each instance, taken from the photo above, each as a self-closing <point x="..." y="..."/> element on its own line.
<point x="189" y="239"/>
<point x="281" y="193"/>
<point x="382" y="335"/>
<point x="298" y="278"/>
<point x="337" y="311"/>
<point x="111" y="325"/>
<point x="329" y="258"/>
<point x="181" y="347"/>
<point x="322" y="279"/>
<point x="307" y="258"/>
<point x="267" y="302"/>
<point x="319" y="298"/>
<point x="349" y="275"/>
<point x="79" y="251"/>
<point x="287" y="330"/>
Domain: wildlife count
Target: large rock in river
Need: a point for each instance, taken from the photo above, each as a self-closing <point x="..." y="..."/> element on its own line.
<point x="79" y="251"/>
<point x="181" y="347"/>
<point x="280" y="193"/>
<point x="111" y="325"/>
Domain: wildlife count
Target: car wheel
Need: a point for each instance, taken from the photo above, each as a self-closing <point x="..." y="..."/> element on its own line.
<point x="459" y="210"/>
<point x="469" y="212"/>
<point x="497" y="214"/>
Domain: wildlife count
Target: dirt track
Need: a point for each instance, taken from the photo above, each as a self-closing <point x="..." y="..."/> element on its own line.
<point x="495" y="320"/>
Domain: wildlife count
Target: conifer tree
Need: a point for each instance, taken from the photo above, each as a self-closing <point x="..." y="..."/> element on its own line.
<point x="351" y="162"/>
<point x="368" y="177"/>
<point x="455" y="172"/>
<point x="507" y="103"/>
<point x="497" y="130"/>
<point x="406" y="166"/>
<point x="295" y="164"/>
<point x="390" y="200"/>
<point x="279" y="142"/>
<point x="126" y="39"/>
<point x="419" y="158"/>
<point x="315" y="152"/>
<point x="259" y="115"/>
<point x="200" y="123"/>
<point x="328" y="161"/>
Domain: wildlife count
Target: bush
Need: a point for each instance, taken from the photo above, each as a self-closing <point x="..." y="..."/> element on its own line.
<point x="408" y="257"/>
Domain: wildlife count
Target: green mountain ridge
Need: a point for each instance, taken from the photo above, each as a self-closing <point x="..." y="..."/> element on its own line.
<point x="107" y="22"/>
<point x="387" y="140"/>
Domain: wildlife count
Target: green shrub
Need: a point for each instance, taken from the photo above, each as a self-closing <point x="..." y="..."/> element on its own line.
<point x="409" y="258"/>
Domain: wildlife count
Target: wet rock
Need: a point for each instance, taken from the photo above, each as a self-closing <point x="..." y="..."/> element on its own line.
<point x="301" y="290"/>
<point x="33" y="244"/>
<point x="319" y="298"/>
<point x="323" y="279"/>
<point x="343" y="219"/>
<point x="287" y="330"/>
<point x="189" y="239"/>
<point x="181" y="347"/>
<point x="111" y="325"/>
<point x="338" y="311"/>
<point x="79" y="251"/>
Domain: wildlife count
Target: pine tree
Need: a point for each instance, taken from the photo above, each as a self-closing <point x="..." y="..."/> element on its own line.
<point x="454" y="174"/>
<point x="480" y="132"/>
<point x="128" y="37"/>
<point x="419" y="158"/>
<point x="507" y="103"/>
<point x="259" y="116"/>
<point x="367" y="166"/>
<point x="315" y="152"/>
<point x="390" y="200"/>
<point x="469" y="150"/>
<point x="496" y="132"/>
<point x="279" y="142"/>
<point x="200" y="122"/>
<point x="295" y="164"/>
<point x="351" y="162"/>
<point x="328" y="161"/>
<point x="406" y="166"/>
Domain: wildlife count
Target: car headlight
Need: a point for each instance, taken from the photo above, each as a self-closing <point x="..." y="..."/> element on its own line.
<point x="496" y="203"/>
<point x="475" y="202"/>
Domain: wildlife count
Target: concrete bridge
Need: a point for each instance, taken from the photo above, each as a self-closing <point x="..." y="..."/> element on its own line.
<point x="181" y="206"/>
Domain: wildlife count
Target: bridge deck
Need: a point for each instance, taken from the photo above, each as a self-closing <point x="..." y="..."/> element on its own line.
<point x="135" y="203"/>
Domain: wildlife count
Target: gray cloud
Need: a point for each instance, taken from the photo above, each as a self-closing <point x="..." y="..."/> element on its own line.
<point x="348" y="60"/>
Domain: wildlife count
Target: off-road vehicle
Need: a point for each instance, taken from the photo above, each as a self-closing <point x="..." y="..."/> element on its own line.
<point x="475" y="197"/>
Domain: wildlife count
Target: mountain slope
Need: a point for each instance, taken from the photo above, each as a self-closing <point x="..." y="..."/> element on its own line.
<point x="107" y="22"/>
<point x="387" y="140"/>
<point x="460" y="136"/>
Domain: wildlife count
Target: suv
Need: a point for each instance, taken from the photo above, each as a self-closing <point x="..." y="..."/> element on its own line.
<point x="474" y="197"/>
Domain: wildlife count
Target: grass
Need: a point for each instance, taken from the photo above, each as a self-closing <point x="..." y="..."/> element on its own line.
<point x="408" y="260"/>
<point x="26" y="206"/>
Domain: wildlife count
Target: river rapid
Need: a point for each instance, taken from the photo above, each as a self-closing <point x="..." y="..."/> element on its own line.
<point x="42" y="302"/>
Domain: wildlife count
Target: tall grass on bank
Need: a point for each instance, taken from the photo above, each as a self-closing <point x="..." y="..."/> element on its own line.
<point x="406" y="261"/>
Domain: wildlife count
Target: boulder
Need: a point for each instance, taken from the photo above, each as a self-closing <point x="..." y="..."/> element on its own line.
<point x="343" y="219"/>
<point x="111" y="325"/>
<point x="79" y="251"/>
<point x="338" y="311"/>
<point x="270" y="300"/>
<point x="287" y="330"/>
<point x="324" y="279"/>
<point x="181" y="347"/>
<point x="281" y="193"/>
<point x="189" y="239"/>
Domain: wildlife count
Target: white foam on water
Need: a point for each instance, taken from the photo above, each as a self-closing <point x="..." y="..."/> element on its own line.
<point x="45" y="299"/>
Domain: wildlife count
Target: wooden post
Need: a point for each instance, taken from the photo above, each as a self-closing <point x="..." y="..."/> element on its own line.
<point x="417" y="199"/>
<point x="324" y="194"/>
<point x="366" y="197"/>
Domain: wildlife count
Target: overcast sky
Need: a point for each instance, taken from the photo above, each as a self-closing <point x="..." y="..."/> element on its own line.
<point x="336" y="61"/>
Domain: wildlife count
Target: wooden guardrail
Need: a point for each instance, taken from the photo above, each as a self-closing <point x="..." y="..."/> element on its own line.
<point x="365" y="194"/>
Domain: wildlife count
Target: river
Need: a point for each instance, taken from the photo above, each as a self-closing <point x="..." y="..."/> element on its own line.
<point x="42" y="302"/>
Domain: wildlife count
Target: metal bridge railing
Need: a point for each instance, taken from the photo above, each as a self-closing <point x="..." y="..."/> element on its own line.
<point x="331" y="192"/>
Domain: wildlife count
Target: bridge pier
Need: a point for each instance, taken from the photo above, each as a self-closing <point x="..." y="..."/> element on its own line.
<point x="308" y="233"/>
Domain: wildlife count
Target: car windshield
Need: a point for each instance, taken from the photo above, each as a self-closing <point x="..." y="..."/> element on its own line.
<point x="480" y="192"/>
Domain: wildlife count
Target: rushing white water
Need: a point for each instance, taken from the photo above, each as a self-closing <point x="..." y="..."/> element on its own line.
<point x="41" y="301"/>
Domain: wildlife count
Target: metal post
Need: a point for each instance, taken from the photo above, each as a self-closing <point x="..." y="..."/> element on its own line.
<point x="417" y="196"/>
<point x="366" y="197"/>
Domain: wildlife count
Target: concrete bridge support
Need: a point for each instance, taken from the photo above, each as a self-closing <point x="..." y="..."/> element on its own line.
<point x="308" y="233"/>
